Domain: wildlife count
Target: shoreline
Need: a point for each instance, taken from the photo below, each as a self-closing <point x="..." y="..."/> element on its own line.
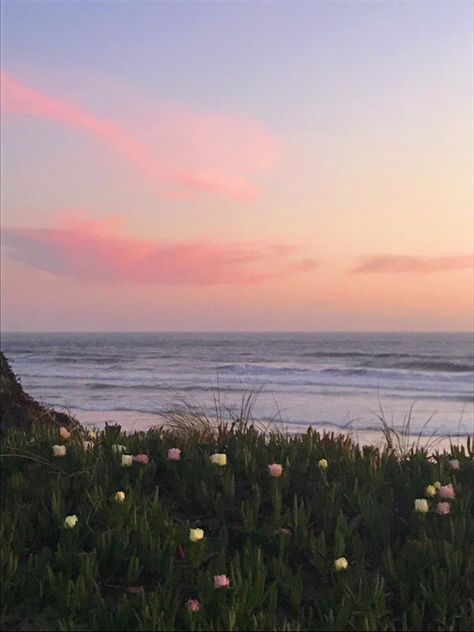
<point x="139" y="422"/>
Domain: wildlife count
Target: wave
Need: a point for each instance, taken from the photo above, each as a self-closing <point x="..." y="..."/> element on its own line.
<point x="296" y="425"/>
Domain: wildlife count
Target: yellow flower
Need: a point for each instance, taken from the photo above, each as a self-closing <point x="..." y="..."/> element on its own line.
<point x="196" y="534"/>
<point x="341" y="564"/>
<point x="421" y="505"/>
<point x="70" y="521"/>
<point x="437" y="485"/>
<point x="92" y="434"/>
<point x="64" y="432"/>
<point x="218" y="459"/>
<point x="120" y="497"/>
<point x="323" y="464"/>
<point x="430" y="491"/>
<point x="127" y="460"/>
<point x="59" y="450"/>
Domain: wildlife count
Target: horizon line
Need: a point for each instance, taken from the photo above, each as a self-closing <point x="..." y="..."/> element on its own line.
<point x="241" y="331"/>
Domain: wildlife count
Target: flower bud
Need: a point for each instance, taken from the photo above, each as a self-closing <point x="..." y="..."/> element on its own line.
<point x="218" y="459"/>
<point x="127" y="460"/>
<point x="341" y="564"/>
<point x="70" y="521"/>
<point x="196" y="534"/>
<point x="421" y="505"/>
<point x="275" y="470"/>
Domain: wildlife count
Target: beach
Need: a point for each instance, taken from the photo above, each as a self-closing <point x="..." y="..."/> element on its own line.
<point x="341" y="382"/>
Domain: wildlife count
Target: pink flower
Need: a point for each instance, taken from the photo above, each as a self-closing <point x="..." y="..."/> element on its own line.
<point x="135" y="590"/>
<point x="443" y="509"/>
<point x="193" y="605"/>
<point x="174" y="454"/>
<point x="221" y="581"/>
<point x="447" y="492"/>
<point x="141" y="458"/>
<point x="275" y="470"/>
<point x="454" y="463"/>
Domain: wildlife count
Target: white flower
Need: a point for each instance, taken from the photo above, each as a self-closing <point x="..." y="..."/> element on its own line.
<point x="323" y="464"/>
<point x="341" y="564"/>
<point x="119" y="497"/>
<point x="59" y="450"/>
<point x="127" y="460"/>
<point x="421" y="505"/>
<point x="196" y="534"/>
<point x="70" y="521"/>
<point x="118" y="449"/>
<point x="218" y="459"/>
<point x="87" y="445"/>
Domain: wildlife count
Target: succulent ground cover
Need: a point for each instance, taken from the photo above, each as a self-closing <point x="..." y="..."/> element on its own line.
<point x="197" y="532"/>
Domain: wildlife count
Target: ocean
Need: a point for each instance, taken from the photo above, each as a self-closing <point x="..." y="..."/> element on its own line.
<point x="335" y="380"/>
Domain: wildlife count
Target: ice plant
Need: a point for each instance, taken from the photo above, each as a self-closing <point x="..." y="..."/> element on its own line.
<point x="59" y="450"/>
<point x="218" y="459"/>
<point x="454" y="464"/>
<point x="174" y="454"/>
<point x="64" y="433"/>
<point x="193" y="605"/>
<point x="446" y="492"/>
<point x="127" y="460"/>
<point x="341" y="564"/>
<point x="196" y="534"/>
<point x="70" y="521"/>
<point x="275" y="470"/>
<point x="421" y="505"/>
<point x="323" y="464"/>
<point x="119" y="497"/>
<point x="443" y="509"/>
<point x="221" y="581"/>
<point x="141" y="458"/>
<point x="430" y="491"/>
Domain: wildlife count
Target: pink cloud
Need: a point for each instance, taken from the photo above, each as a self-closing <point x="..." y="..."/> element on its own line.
<point x="98" y="252"/>
<point x="174" y="152"/>
<point x="413" y="264"/>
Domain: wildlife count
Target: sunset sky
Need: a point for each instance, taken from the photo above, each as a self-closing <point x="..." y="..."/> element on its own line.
<point x="237" y="166"/>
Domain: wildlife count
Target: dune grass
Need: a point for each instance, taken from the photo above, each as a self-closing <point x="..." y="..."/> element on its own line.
<point x="132" y="566"/>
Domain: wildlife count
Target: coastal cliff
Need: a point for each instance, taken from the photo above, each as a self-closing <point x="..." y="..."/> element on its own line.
<point x="18" y="409"/>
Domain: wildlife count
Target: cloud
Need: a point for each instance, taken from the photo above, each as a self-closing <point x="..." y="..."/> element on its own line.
<point x="175" y="152"/>
<point x="99" y="252"/>
<point x="413" y="264"/>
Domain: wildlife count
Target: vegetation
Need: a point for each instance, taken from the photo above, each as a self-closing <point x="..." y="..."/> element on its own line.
<point x="131" y="562"/>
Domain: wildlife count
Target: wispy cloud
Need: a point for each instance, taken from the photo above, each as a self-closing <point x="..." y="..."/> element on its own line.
<point x="99" y="253"/>
<point x="176" y="152"/>
<point x="413" y="264"/>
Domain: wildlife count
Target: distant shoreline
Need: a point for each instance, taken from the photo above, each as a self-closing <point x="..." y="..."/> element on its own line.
<point x="132" y="422"/>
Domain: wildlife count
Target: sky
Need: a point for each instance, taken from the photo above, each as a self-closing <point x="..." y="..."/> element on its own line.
<point x="218" y="166"/>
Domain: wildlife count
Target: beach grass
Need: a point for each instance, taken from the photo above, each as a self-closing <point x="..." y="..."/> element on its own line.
<point x="333" y="543"/>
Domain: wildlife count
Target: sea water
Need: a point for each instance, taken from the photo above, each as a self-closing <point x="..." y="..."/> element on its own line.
<point x="343" y="380"/>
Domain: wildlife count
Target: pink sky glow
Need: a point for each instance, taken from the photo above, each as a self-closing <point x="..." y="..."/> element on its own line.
<point x="237" y="166"/>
